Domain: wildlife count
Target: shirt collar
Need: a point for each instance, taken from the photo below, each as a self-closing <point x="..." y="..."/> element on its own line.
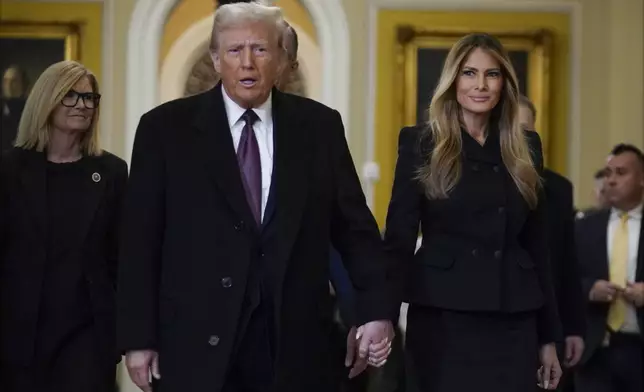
<point x="635" y="213"/>
<point x="235" y="112"/>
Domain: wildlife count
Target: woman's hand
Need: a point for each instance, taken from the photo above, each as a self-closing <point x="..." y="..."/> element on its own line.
<point x="550" y="372"/>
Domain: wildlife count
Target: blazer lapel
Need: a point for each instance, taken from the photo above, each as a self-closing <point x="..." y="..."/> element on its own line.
<point x="289" y="183"/>
<point x="214" y="142"/>
<point x="269" y="211"/>
<point x="33" y="178"/>
<point x="92" y="187"/>
<point x="288" y="188"/>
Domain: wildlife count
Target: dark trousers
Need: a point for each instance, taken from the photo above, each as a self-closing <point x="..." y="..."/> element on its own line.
<point x="617" y="368"/>
<point x="252" y="368"/>
<point x="71" y="365"/>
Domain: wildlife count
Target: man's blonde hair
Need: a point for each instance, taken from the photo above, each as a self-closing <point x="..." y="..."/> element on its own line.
<point x="34" y="130"/>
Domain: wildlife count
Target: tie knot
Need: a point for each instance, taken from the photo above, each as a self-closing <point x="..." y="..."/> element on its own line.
<point x="250" y="117"/>
<point x="623" y="216"/>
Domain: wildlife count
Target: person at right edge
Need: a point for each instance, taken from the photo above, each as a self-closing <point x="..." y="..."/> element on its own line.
<point x="610" y="247"/>
<point x="481" y="303"/>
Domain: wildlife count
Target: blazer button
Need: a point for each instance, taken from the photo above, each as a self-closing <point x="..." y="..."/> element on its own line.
<point x="239" y="226"/>
<point x="501" y="210"/>
<point x="497" y="254"/>
<point x="475" y="252"/>
<point x="226" y="282"/>
<point x="496" y="168"/>
<point x="214" y="340"/>
<point x="475" y="167"/>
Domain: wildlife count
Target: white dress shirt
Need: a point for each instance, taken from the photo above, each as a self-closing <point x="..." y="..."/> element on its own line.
<point x="263" y="132"/>
<point x="634" y="226"/>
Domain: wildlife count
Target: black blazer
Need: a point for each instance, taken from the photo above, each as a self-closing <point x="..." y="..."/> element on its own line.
<point x="189" y="242"/>
<point x="563" y="255"/>
<point x="591" y="234"/>
<point x="25" y="230"/>
<point x="483" y="248"/>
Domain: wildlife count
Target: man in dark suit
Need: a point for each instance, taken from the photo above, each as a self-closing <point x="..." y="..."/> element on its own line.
<point x="563" y="260"/>
<point x="233" y="200"/>
<point x="610" y="246"/>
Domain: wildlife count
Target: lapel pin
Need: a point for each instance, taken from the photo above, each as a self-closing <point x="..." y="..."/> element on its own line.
<point x="96" y="177"/>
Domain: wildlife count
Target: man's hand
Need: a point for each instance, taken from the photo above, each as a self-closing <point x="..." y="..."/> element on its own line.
<point x="549" y="374"/>
<point x="139" y="364"/>
<point x="359" y="364"/>
<point x="604" y="291"/>
<point x="634" y="293"/>
<point x="574" y="350"/>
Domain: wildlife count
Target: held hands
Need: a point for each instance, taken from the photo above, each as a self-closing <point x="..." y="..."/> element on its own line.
<point x="368" y="345"/>
<point x="550" y="372"/>
<point x="142" y="366"/>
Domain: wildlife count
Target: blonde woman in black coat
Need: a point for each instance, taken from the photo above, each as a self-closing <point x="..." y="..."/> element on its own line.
<point x="60" y="205"/>
<point x="482" y="307"/>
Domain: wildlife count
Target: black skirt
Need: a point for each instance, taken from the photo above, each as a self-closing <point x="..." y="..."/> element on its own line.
<point x="465" y="351"/>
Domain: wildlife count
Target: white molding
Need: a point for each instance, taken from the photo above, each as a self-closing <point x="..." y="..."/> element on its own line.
<point x="330" y="22"/>
<point x="193" y="43"/>
<point x="146" y="31"/>
<point x="142" y="71"/>
<point x="107" y="77"/>
<point x="182" y="56"/>
<point x="571" y="8"/>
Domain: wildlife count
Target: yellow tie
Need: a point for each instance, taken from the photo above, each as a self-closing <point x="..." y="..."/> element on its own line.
<point x="618" y="264"/>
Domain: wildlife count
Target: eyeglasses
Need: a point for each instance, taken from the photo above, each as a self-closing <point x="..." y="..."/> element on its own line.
<point x="90" y="100"/>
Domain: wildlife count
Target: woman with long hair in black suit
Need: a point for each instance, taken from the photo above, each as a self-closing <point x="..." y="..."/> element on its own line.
<point x="482" y="307"/>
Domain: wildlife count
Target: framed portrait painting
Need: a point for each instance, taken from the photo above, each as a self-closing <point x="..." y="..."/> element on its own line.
<point x="422" y="53"/>
<point x="27" y="50"/>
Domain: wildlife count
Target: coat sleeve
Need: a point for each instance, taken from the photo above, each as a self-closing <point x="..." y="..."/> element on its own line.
<point x="355" y="234"/>
<point x="403" y="215"/>
<point x="141" y="242"/>
<point x="534" y="238"/>
<point x="572" y="301"/>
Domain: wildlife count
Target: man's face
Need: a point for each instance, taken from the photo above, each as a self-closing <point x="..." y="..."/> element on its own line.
<point x="600" y="193"/>
<point x="624" y="180"/>
<point x="12" y="86"/>
<point x="526" y="119"/>
<point x="249" y="61"/>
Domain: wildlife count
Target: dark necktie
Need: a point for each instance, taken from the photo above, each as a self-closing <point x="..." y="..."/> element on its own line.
<point x="250" y="165"/>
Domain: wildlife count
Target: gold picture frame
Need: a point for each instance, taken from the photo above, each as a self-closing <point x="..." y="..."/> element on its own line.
<point x="67" y="32"/>
<point x="28" y="49"/>
<point x="536" y="44"/>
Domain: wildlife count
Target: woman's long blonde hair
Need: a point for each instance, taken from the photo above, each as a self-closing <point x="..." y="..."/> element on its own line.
<point x="442" y="171"/>
<point x="52" y="85"/>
